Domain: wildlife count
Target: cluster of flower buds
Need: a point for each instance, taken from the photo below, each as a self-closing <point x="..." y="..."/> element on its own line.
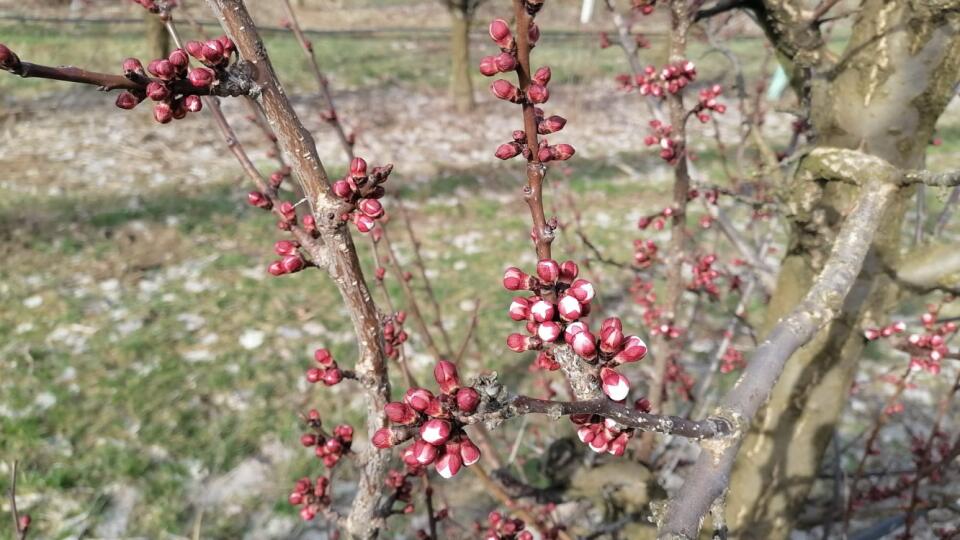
<point x="666" y="329"/>
<point x="362" y="189"/>
<point x="681" y="379"/>
<point x="555" y="309"/>
<point x="310" y="496"/>
<point x="930" y="348"/>
<point x="399" y="484"/>
<point x="891" y="329"/>
<point x="663" y="137"/>
<point x="327" y="372"/>
<point x="154" y="6"/>
<point x="394" y="335"/>
<point x="708" y="102"/>
<point x="505" y="528"/>
<point x="705" y="275"/>
<point x="546" y="152"/>
<point x="644" y="253"/>
<point x="176" y="87"/>
<point x="602" y="434"/>
<point x="660" y="83"/>
<point x="732" y="360"/>
<point x="645" y="7"/>
<point x="290" y="262"/>
<point x="536" y="93"/>
<point x="328" y="447"/>
<point x="438" y="437"/>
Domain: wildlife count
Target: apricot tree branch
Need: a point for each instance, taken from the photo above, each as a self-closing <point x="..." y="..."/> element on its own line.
<point x="301" y="153"/>
<point x="709" y="477"/>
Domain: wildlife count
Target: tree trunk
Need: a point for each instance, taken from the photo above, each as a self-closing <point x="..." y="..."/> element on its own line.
<point x="461" y="71"/>
<point x="883" y="98"/>
<point x="158" y="40"/>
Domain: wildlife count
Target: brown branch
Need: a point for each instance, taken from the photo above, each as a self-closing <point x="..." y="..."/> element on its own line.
<point x="722" y="6"/>
<point x="412" y="303"/>
<point x="301" y="153"/>
<point x="709" y="477"/>
<point x="422" y="269"/>
<point x="237" y="85"/>
<point x="470" y="330"/>
<point x="333" y="118"/>
<point x="673" y="425"/>
<point x="543" y="233"/>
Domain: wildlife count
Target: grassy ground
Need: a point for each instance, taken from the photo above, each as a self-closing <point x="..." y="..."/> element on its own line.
<point x="146" y="355"/>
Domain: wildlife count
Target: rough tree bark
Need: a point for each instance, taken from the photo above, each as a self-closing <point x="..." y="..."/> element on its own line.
<point x="882" y="97"/>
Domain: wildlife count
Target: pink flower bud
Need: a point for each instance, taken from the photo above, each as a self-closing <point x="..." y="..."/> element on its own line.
<point x="449" y="465"/>
<point x="308" y="440"/>
<point x="162" y="112"/>
<point x="545" y="154"/>
<point x="342" y="189"/>
<point x="515" y="279"/>
<point x="323" y="357"/>
<point x="445" y="373"/>
<point x="611" y="338"/>
<point x="584" y="344"/>
<point x="383" y="438"/>
<point x="358" y="168"/>
<point x="582" y="290"/>
<point x="8" y="59"/>
<point x="195" y="48"/>
<point x="178" y="58"/>
<point x="227" y="43"/>
<point x="292" y="263"/>
<point x="548" y="270"/>
<point x="201" y="77"/>
<point x="519" y="309"/>
<point x="537" y="93"/>
<point x="505" y="90"/>
<point x="157" y="91"/>
<point x="314" y="375"/>
<point x="285" y="247"/>
<point x="505" y="62"/>
<point x="500" y="33"/>
<point x="332" y="376"/>
<point x="533" y="35"/>
<point x="619" y="445"/>
<point x="614" y="385"/>
<point x="563" y="152"/>
<point x="126" y="100"/>
<point x="467" y="400"/>
<point x="295" y="499"/>
<point x="519" y="343"/>
<point x="469" y="452"/>
<point x="569" y="271"/>
<point x="163" y="69"/>
<point x="508" y="150"/>
<point x="549" y="331"/>
<point x="418" y="398"/>
<point x="212" y="51"/>
<point x="130" y="65"/>
<point x="255" y="198"/>
<point x="371" y="207"/>
<point x="488" y="66"/>
<point x="542" y="76"/>
<point x="570" y="308"/>
<point x="551" y="124"/>
<point x="424" y="452"/>
<point x="435" y="431"/>
<point x="634" y="350"/>
<point x="542" y="311"/>
<point x="193" y="103"/>
<point x="363" y="222"/>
